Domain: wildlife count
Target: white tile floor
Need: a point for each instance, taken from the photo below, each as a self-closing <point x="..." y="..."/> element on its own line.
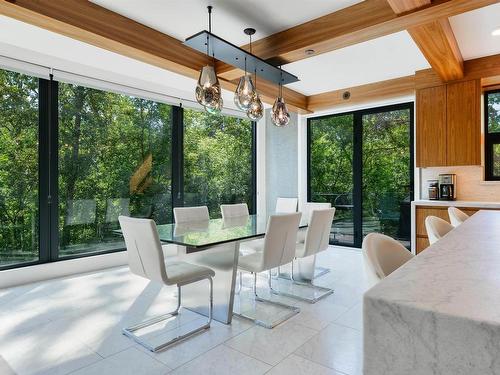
<point x="73" y="325"/>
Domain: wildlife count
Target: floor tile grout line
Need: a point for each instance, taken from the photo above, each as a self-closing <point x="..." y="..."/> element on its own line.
<point x="199" y="355"/>
<point x="249" y="355"/>
<point x="312" y="360"/>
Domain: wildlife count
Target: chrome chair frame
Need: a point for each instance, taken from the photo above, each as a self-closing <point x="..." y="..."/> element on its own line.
<point x="293" y="309"/>
<point x="129" y="332"/>
<point x="323" y="291"/>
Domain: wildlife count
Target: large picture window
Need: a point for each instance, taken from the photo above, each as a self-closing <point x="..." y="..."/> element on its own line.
<point x="218" y="161"/>
<point x="19" y="123"/>
<point x="114" y="159"/>
<point x="492" y="135"/>
<point x="74" y="158"/>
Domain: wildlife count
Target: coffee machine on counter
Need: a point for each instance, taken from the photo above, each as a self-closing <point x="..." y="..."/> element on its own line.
<point x="447" y="187"/>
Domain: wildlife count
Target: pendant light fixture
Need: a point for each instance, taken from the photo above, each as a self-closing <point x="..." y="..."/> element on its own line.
<point x="256" y="109"/>
<point x="245" y="91"/>
<point x="279" y="113"/>
<point x="208" y="91"/>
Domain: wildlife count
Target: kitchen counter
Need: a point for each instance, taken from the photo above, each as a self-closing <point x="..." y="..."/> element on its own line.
<point x="440" y="312"/>
<point x="472" y="204"/>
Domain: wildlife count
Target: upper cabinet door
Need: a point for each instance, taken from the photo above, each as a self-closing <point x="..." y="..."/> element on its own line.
<point x="463" y="118"/>
<point x="431" y="126"/>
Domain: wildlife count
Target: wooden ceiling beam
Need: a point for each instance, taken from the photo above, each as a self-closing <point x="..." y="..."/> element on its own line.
<point x="90" y="23"/>
<point x="435" y="40"/>
<point x="403" y="6"/>
<point x="437" y="43"/>
<point x="391" y="88"/>
<point x="485" y="68"/>
<point x="359" y="23"/>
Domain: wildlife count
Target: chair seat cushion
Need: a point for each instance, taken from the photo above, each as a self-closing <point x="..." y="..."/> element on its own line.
<point x="181" y="272"/>
<point x="250" y="247"/>
<point x="251" y="263"/>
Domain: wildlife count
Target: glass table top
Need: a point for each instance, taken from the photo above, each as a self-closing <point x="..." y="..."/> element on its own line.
<point x="215" y="231"/>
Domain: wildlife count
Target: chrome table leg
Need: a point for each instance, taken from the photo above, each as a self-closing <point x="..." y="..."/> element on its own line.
<point x="223" y="259"/>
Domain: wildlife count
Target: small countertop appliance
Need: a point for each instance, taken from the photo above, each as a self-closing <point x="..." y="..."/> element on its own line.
<point x="448" y="187"/>
<point x="433" y="189"/>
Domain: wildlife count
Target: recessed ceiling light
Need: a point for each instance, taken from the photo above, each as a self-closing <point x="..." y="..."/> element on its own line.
<point x="496" y="32"/>
<point x="310" y="52"/>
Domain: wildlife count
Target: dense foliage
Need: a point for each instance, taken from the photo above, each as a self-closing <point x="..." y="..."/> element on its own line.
<point x="18" y="166"/>
<point x="385" y="170"/>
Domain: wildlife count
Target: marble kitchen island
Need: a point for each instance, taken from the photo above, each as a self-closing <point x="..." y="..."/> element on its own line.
<point x="440" y="312"/>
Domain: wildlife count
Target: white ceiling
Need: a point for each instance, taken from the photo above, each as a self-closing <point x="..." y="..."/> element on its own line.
<point x="473" y="32"/>
<point x="183" y="18"/>
<point x="384" y="58"/>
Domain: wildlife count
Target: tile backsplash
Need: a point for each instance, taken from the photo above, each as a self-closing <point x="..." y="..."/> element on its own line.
<point x="470" y="184"/>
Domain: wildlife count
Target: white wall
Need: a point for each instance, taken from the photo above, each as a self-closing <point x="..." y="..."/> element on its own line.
<point x="281" y="165"/>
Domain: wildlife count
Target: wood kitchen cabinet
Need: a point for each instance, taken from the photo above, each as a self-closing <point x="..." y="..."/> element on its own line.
<point x="449" y="125"/>
<point x="431" y="126"/>
<point x="463" y="123"/>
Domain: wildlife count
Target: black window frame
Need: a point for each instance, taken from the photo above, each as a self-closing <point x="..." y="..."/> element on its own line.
<point x="358" y="160"/>
<point x="490" y="139"/>
<point x="48" y="167"/>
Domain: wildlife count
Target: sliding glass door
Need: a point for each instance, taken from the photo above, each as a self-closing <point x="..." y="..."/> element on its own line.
<point x="331" y="144"/>
<point x="361" y="162"/>
<point x="19" y="208"/>
<point x="387" y="172"/>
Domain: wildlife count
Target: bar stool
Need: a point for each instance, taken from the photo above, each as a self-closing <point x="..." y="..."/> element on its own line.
<point x="436" y="228"/>
<point x="457" y="216"/>
<point x="383" y="254"/>
<point x="146" y="259"/>
<point x="278" y="248"/>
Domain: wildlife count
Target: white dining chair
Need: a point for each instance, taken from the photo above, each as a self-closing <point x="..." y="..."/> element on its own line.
<point x="183" y="215"/>
<point x="230" y="211"/>
<point x="307" y="210"/>
<point x="383" y="255"/>
<point x="286" y="205"/>
<point x="145" y="259"/>
<point x="316" y="240"/>
<point x="457" y="216"/>
<point x="278" y="248"/>
<point x="436" y="228"/>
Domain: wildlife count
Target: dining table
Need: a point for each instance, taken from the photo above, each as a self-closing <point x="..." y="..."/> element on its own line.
<point x="215" y="244"/>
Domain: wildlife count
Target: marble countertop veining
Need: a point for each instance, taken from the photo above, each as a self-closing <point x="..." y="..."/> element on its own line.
<point x="457" y="203"/>
<point x="439" y="314"/>
<point x="459" y="275"/>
